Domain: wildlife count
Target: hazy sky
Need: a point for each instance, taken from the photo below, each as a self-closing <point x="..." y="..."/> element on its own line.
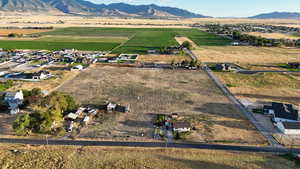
<point x="220" y="8"/>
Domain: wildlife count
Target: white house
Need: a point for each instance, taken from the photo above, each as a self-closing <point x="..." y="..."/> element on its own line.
<point x="291" y="128"/>
<point x="14" y="99"/>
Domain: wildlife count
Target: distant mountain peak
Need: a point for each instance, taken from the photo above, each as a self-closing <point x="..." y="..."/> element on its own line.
<point x="278" y="15"/>
<point x="84" y="7"/>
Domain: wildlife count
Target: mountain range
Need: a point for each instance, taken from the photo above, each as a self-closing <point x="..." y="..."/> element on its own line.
<point x="82" y="7"/>
<point x="278" y="15"/>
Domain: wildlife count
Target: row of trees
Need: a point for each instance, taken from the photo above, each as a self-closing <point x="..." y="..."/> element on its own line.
<point x="256" y="40"/>
<point x="47" y="115"/>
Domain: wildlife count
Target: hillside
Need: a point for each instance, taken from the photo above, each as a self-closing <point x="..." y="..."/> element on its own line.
<point x="278" y="15"/>
<point x="83" y="7"/>
<point x="25" y="6"/>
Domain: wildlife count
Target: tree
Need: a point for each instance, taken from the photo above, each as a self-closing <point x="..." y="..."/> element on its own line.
<point x="36" y="92"/>
<point x="22" y="124"/>
<point x="186" y="44"/>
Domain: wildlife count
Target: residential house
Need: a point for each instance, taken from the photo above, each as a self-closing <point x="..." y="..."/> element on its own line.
<point x="289" y="127"/>
<point x="41" y="75"/>
<point x="111" y="107"/>
<point x="282" y="112"/>
<point x="116" y="107"/>
<point x="224" y="67"/>
<point x="14" y="100"/>
<point x="86" y="120"/>
<point x="78" y="67"/>
<point x="122" y="109"/>
<point x="181" y="127"/>
<point x="71" y="117"/>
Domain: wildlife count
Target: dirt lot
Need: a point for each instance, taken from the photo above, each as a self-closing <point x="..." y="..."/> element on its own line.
<point x="153" y="91"/>
<point x="163" y="58"/>
<point x="69" y="157"/>
<point x="248" y="54"/>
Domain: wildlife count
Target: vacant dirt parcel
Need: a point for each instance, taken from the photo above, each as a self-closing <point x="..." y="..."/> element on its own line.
<point x="154" y="91"/>
<point x="63" y="157"/>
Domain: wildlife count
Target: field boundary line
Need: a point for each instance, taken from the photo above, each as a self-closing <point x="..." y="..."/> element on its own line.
<point x="122" y="44"/>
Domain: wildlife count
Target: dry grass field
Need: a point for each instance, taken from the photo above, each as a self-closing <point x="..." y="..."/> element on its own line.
<point x="163" y="58"/>
<point x="63" y="157"/>
<point x="61" y="77"/>
<point x="273" y="35"/>
<point x="247" y="54"/>
<point x="5" y="32"/>
<point x="40" y="157"/>
<point x="282" y="87"/>
<point x="154" y="91"/>
<point x="29" y="19"/>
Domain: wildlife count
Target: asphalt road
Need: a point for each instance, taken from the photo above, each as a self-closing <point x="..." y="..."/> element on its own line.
<point x="150" y="145"/>
<point x="264" y="71"/>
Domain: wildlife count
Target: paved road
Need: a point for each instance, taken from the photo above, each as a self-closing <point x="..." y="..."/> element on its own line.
<point x="268" y="135"/>
<point x="264" y="71"/>
<point x="150" y="145"/>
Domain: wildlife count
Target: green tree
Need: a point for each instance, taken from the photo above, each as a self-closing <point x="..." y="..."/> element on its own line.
<point x="186" y="44"/>
<point x="22" y="124"/>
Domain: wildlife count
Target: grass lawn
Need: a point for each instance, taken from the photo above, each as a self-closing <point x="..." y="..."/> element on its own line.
<point x="67" y="157"/>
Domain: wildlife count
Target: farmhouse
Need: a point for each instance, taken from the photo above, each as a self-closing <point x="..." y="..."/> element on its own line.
<point x="282" y="112"/>
<point x="14" y="99"/>
<point x="181" y="126"/>
<point x="289" y="127"/>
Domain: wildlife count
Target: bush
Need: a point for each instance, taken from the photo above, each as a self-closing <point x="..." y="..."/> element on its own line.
<point x="14" y="35"/>
<point x="22" y="125"/>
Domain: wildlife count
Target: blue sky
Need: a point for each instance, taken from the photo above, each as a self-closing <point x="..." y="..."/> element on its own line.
<point x="222" y="8"/>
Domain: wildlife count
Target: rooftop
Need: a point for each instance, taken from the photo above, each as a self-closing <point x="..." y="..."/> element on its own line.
<point x="291" y="125"/>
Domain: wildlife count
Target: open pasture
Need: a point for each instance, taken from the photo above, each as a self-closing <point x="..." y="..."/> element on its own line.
<point x="133" y="40"/>
<point x="69" y="157"/>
